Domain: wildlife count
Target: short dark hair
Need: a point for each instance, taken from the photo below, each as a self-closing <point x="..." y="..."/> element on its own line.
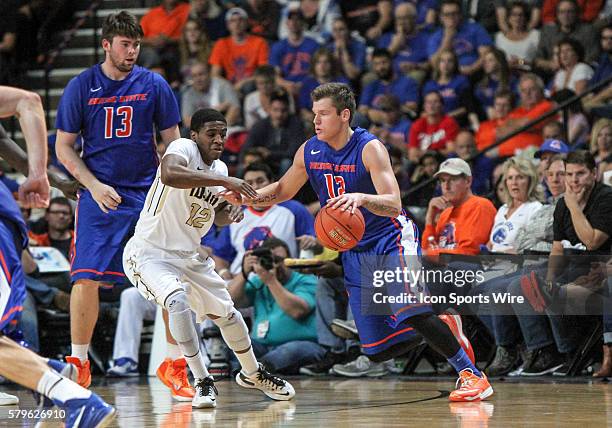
<point x="121" y="24"/>
<point x="281" y="95"/>
<point x="504" y="93"/>
<point x="576" y="46"/>
<point x="273" y="242"/>
<point x="381" y="52"/>
<point x="260" y="166"/>
<point x="203" y="116"/>
<point x="455" y="2"/>
<point x="60" y="200"/>
<point x="266" y="71"/>
<point x="581" y="157"/>
<point x="341" y="95"/>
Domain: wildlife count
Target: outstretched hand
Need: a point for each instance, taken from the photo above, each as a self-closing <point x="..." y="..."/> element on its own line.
<point x="34" y="192"/>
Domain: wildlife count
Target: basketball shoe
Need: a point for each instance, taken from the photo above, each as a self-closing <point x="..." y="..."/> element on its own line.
<point x="173" y="374"/>
<point x="453" y="321"/>
<point x="65" y="369"/>
<point x="471" y="387"/>
<point x="205" y="393"/>
<point x="84" y="372"/>
<point x="8" y="399"/>
<point x="273" y="386"/>
<point x="90" y="412"/>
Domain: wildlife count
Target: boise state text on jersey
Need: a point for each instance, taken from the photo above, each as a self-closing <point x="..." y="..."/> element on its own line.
<point x="116" y="121"/>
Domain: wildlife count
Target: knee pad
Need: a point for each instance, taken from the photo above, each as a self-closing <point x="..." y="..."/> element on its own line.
<point x="176" y="303"/>
<point x="234" y="331"/>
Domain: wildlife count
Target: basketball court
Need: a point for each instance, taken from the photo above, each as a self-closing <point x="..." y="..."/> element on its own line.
<point x="341" y="402"/>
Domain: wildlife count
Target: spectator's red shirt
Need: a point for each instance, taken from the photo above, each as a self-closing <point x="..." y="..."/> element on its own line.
<point x="590" y="9"/>
<point x="157" y="21"/>
<point x="435" y="136"/>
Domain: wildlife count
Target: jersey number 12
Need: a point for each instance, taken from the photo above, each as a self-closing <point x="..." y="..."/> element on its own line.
<point x="125" y="128"/>
<point x="331" y="181"/>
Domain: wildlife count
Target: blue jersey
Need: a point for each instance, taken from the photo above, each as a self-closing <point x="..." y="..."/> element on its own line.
<point x="116" y="118"/>
<point x="9" y="211"/>
<point x="332" y="173"/>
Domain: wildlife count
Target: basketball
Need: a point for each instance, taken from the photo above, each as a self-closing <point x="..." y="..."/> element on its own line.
<point x="339" y="230"/>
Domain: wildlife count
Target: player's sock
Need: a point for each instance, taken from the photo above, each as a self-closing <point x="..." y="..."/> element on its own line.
<point x="173" y="351"/>
<point x="56" y="387"/>
<point x="197" y="366"/>
<point x="460" y="361"/>
<point x="80" y="351"/>
<point x="236" y="335"/>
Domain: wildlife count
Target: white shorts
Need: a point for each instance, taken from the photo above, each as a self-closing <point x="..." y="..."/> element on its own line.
<point x="157" y="273"/>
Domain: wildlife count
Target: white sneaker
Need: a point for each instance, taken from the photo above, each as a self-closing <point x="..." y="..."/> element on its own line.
<point x="205" y="393"/>
<point x="273" y="386"/>
<point x="8" y="399"/>
<point x="361" y="367"/>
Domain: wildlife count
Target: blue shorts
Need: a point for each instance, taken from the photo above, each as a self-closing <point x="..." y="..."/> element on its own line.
<point x="12" y="280"/>
<point x="99" y="238"/>
<point x="381" y="327"/>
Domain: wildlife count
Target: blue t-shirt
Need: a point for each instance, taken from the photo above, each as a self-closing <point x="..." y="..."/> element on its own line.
<point x="414" y="50"/>
<point x="310" y="83"/>
<point x="454" y="92"/>
<point x="422" y="7"/>
<point x="466" y="42"/>
<point x="356" y="50"/>
<point x="603" y="69"/>
<point x="116" y="120"/>
<point x="293" y="61"/>
<point x="485" y="94"/>
<point x="403" y="87"/>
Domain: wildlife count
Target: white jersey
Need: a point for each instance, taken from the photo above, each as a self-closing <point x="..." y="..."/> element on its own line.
<point x="176" y="219"/>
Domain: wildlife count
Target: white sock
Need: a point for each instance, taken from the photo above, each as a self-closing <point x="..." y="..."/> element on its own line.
<point x="56" y="387"/>
<point x="80" y="351"/>
<point x="248" y="362"/>
<point x="197" y="366"/>
<point x="173" y="351"/>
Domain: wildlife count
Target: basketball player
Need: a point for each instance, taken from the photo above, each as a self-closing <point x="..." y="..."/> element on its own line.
<point x="165" y="262"/>
<point x="350" y="170"/>
<point x="114" y="105"/>
<point x="83" y="408"/>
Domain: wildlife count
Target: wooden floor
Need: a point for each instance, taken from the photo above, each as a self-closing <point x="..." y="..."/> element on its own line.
<point x="335" y="402"/>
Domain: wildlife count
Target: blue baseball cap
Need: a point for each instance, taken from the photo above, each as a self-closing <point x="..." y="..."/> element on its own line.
<point x="554" y="146"/>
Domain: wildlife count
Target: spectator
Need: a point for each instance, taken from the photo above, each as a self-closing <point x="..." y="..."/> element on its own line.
<point x="238" y="55"/>
<point x="567" y="25"/>
<point x="264" y="16"/>
<point x="194" y="46"/>
<point x="8" y="41"/>
<point x="487" y="130"/>
<point x="518" y="40"/>
<point x="466" y="39"/>
<point x="210" y="17"/>
<point x="394" y="130"/>
<point x="553" y="131"/>
<point x="483" y="12"/>
<point x="424" y="171"/>
<point x="397" y="156"/>
<point x="433" y="130"/>
<point x="496" y="77"/>
<point x="548" y="150"/>
<point x="601" y="144"/>
<point x="349" y="50"/>
<point x="288" y="221"/>
<point x="370" y="18"/>
<point x="598" y="102"/>
<point x="456" y="222"/>
<point x="427" y="12"/>
<point x="453" y="86"/>
<point x="280" y="134"/>
<point x="573" y="73"/>
<point x="407" y="44"/>
<point x="587" y="10"/>
<point x="59" y="227"/>
<point x="163" y="27"/>
<point x="481" y="166"/>
<point x="257" y="103"/>
<point x="387" y="82"/>
<point x="284" y="334"/>
<point x="521" y="199"/>
<point x="533" y="105"/>
<point x="208" y="91"/>
<point x="323" y="69"/>
<point x="291" y="56"/>
<point x="578" y="127"/>
<point x="318" y="17"/>
<point x="530" y="14"/>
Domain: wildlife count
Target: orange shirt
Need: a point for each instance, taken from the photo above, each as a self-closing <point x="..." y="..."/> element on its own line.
<point x="239" y="61"/>
<point x="462" y="229"/>
<point x="590" y="9"/>
<point x="157" y="21"/>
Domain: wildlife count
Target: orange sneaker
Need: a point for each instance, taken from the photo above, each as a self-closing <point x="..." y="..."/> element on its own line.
<point x="453" y="322"/>
<point x="84" y="373"/>
<point x="472" y="388"/>
<point x="173" y="374"/>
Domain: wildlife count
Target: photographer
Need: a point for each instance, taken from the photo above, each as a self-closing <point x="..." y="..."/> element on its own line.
<point x="283" y="334"/>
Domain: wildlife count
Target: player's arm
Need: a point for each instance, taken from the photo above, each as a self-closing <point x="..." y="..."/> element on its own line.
<point x="27" y="106"/>
<point x="226" y="214"/>
<point x="175" y="173"/>
<point x="387" y="201"/>
<point x="170" y="134"/>
<point x="281" y="190"/>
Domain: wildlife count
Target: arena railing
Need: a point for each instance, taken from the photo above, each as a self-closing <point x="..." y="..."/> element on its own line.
<point x="563" y="107"/>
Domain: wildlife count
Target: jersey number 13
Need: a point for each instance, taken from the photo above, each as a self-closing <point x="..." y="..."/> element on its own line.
<point x="125" y="126"/>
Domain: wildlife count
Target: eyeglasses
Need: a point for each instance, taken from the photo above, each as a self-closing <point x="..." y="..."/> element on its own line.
<point x="66" y="213"/>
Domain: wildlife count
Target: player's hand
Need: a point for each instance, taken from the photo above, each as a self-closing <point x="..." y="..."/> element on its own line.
<point x="234" y="213"/>
<point x="234" y="198"/>
<point x="69" y="187"/>
<point x="347" y="201"/>
<point x="105" y="196"/>
<point x="307" y="242"/>
<point x="34" y="192"/>
<point x="240" y="186"/>
<point x="326" y="270"/>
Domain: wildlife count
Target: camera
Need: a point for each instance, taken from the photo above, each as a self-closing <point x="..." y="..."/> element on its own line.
<point x="265" y="257"/>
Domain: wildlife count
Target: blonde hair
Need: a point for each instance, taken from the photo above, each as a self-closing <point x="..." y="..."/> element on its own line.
<point x="597" y="127"/>
<point x="528" y="169"/>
